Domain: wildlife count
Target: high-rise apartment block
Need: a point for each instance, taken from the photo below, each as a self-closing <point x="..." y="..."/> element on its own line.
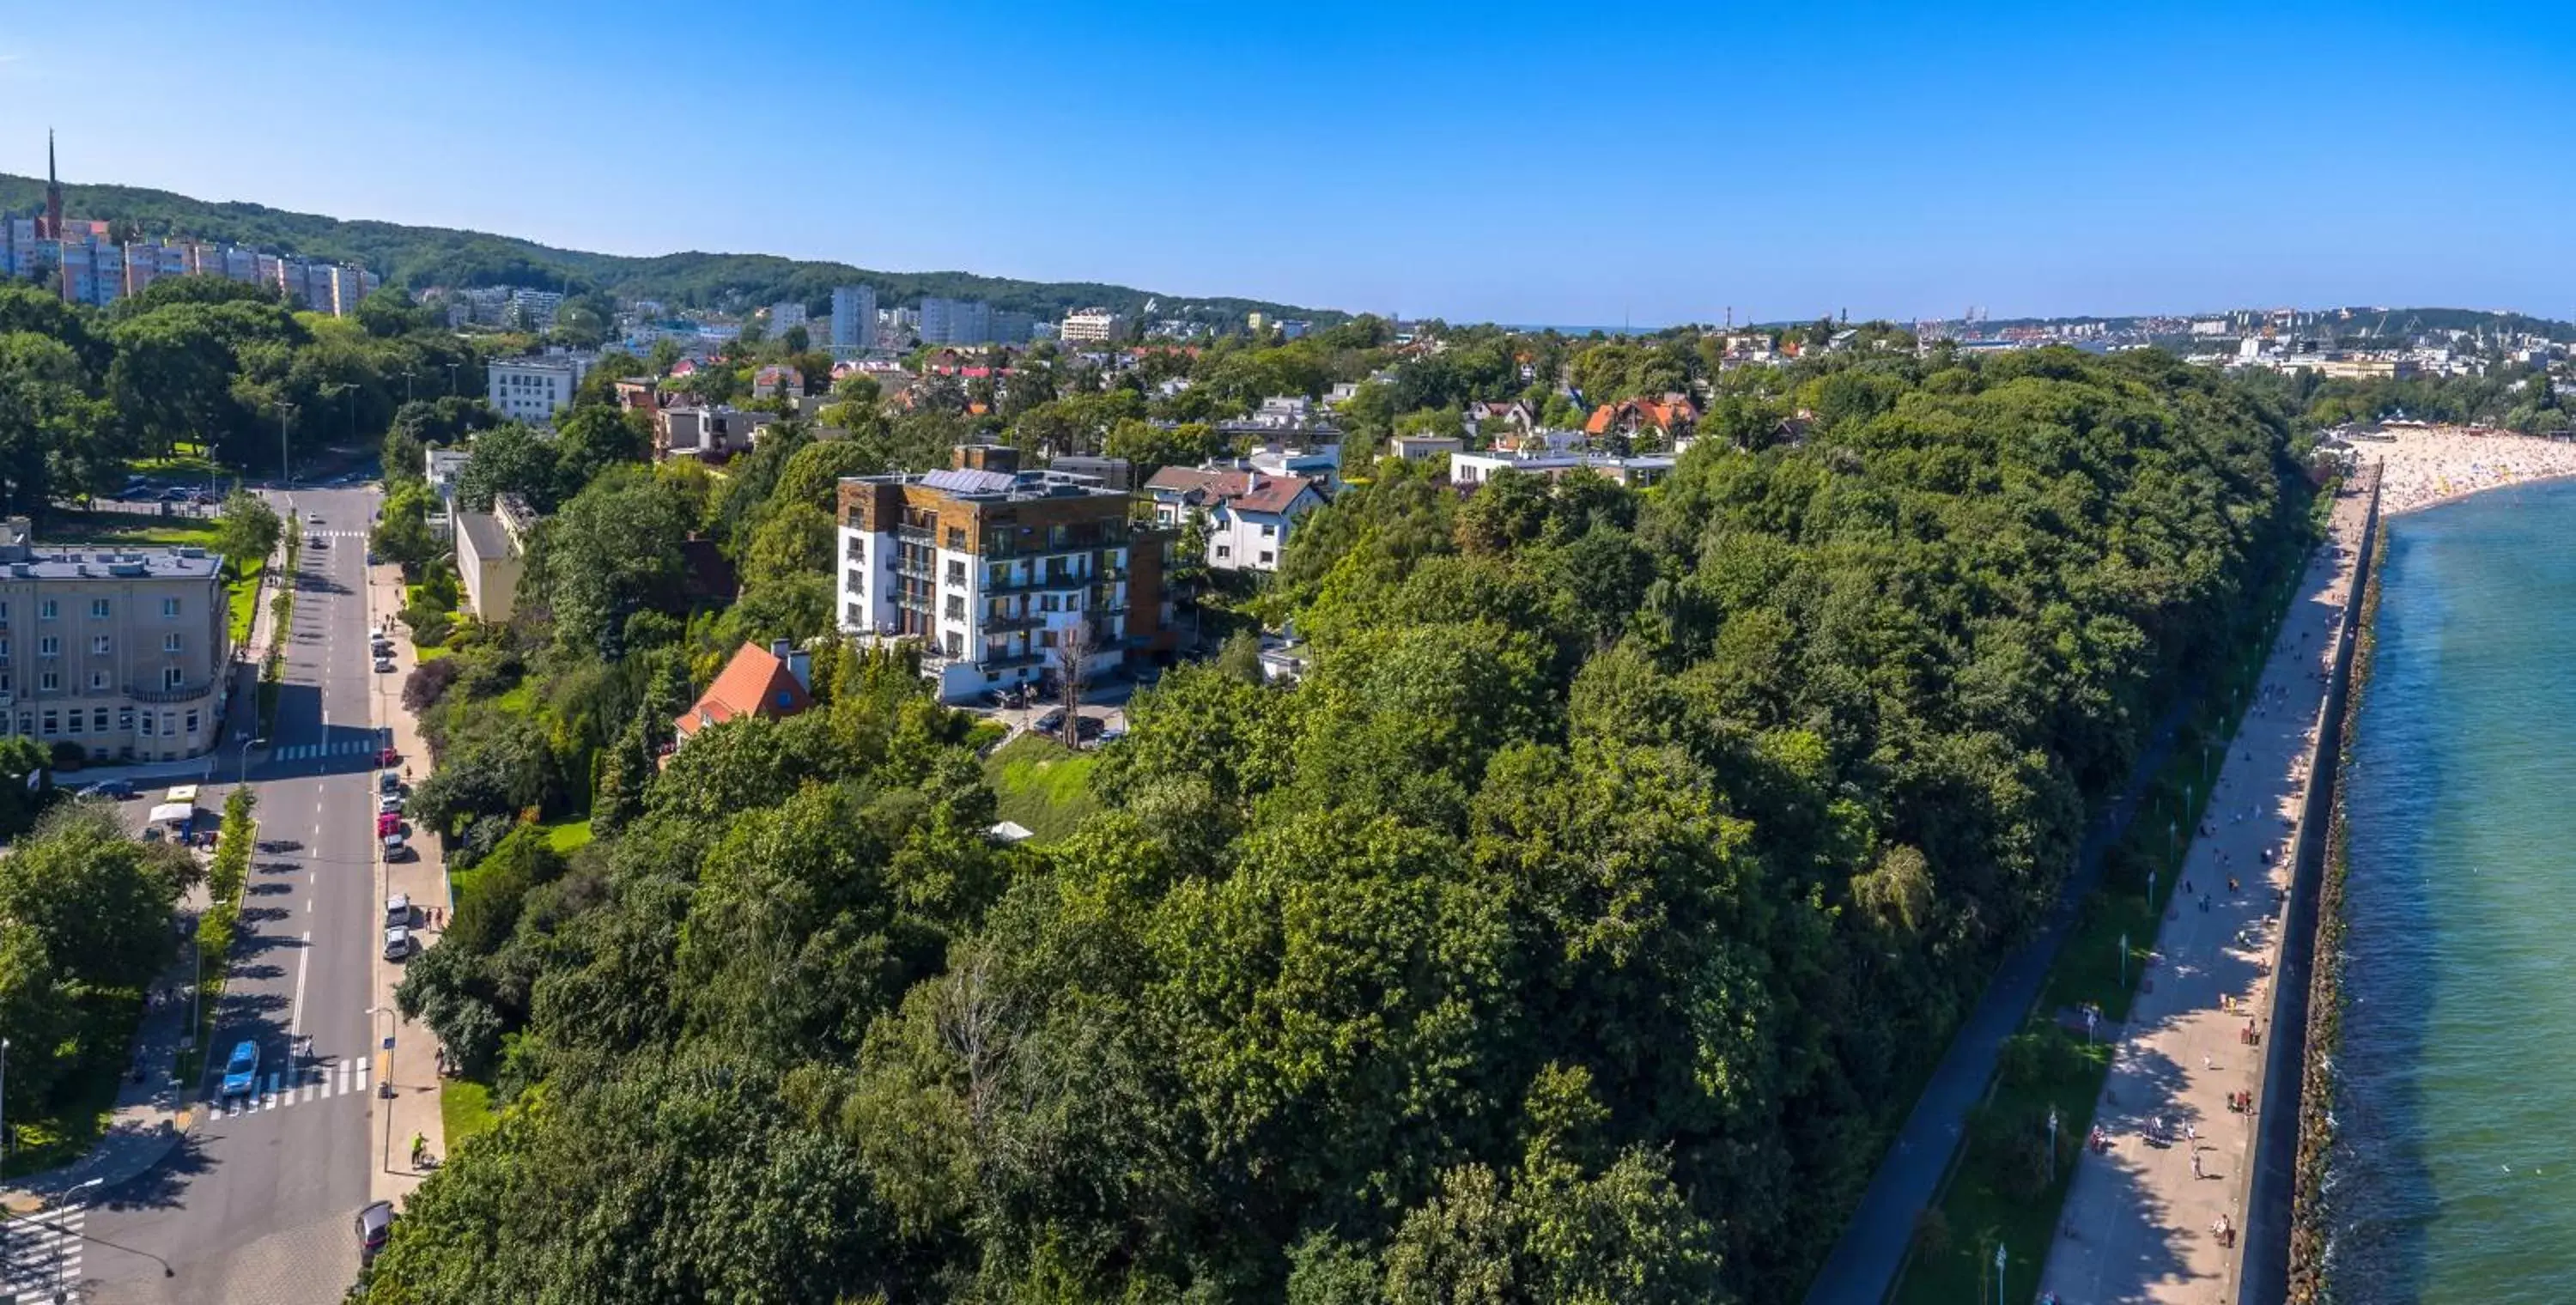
<point x="956" y="321"/>
<point x="854" y="317"/>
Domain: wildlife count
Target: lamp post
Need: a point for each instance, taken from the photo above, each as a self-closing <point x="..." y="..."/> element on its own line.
<point x="60" y="1261"/>
<point x="385" y="1083"/>
<point x="407" y="387"/>
<point x="451" y="379"/>
<point x="241" y="773"/>
<point x="284" y="411"/>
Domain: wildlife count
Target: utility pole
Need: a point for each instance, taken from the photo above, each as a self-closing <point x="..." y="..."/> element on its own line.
<point x="451" y="379"/>
<point x="284" y="411"/>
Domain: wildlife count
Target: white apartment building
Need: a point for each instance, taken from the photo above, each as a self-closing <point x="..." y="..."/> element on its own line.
<point x="1092" y="326"/>
<point x="534" y="389"/>
<point x="854" y="317"/>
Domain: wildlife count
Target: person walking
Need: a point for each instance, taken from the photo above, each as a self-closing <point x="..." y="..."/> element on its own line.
<point x="2195" y="1166"/>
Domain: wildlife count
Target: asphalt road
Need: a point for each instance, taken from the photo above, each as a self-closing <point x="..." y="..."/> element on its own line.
<point x="257" y="1206"/>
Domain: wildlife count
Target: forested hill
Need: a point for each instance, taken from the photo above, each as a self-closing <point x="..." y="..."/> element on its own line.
<point x="425" y="256"/>
<point x="1574" y="932"/>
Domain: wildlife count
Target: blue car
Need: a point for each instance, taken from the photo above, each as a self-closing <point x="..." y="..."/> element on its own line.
<point x="241" y="1072"/>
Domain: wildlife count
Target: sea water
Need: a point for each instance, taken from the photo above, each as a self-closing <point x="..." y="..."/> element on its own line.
<point x="2454" y="1173"/>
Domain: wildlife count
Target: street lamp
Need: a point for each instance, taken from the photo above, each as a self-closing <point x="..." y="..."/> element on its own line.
<point x="61" y="1262"/>
<point x="407" y="387"/>
<point x="284" y="411"/>
<point x="385" y="1082"/>
<point x="451" y="379"/>
<point x="241" y="773"/>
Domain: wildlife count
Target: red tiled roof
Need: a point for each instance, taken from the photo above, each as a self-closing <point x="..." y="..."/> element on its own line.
<point x="754" y="683"/>
<point x="1234" y="489"/>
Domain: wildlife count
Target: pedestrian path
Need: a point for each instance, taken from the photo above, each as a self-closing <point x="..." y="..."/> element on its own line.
<point x="338" y="534"/>
<point x="281" y="1089"/>
<point x="40" y="1254"/>
<point x="370" y="746"/>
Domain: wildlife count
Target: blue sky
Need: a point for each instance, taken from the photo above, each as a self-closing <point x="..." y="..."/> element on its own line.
<point x="1577" y="164"/>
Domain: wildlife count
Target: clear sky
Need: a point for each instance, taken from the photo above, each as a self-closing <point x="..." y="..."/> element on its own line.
<point x="1558" y="163"/>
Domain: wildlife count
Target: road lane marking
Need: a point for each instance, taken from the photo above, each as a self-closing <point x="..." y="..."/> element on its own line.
<point x="303" y="958"/>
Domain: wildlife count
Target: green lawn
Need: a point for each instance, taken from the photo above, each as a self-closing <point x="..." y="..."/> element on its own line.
<point x="243" y="596"/>
<point x="569" y="837"/>
<point x="1041" y="786"/>
<point x="133" y="528"/>
<point x="464" y="1109"/>
<point x="185" y="466"/>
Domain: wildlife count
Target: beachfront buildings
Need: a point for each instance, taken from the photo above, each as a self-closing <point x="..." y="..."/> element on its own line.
<point x="119" y="652"/>
<point x="1002" y="577"/>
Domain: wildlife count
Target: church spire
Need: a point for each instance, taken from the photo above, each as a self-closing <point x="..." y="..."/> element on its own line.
<point x="53" y="194"/>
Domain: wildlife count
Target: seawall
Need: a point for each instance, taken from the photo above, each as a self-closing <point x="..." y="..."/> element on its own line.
<point x="2304" y="1006"/>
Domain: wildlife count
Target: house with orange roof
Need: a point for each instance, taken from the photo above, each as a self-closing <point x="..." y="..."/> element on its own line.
<point x="772" y="683"/>
<point x="1671" y="416"/>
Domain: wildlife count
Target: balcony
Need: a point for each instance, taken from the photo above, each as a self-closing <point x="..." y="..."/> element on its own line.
<point x="1014" y="661"/>
<point x="1066" y="580"/>
<point x="914" y="535"/>
<point x="914" y="571"/>
<point x="1018" y="621"/>
<point x="184" y="693"/>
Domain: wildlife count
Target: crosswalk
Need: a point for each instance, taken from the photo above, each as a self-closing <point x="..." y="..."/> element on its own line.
<point x="40" y="1254"/>
<point x="338" y="534"/>
<point x="381" y="740"/>
<point x="279" y="1090"/>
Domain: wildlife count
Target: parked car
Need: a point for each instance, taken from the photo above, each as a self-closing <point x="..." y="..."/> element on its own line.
<point x="388" y="782"/>
<point x="391" y="804"/>
<point x="398" y="910"/>
<point x="117" y="789"/>
<point x="398" y="942"/>
<point x="397" y="848"/>
<point x="1052" y="724"/>
<point x="375" y="1228"/>
<point x="241" y="1070"/>
<point x="383" y="664"/>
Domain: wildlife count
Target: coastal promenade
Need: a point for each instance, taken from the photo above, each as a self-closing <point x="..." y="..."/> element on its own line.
<point x="2140" y="1214"/>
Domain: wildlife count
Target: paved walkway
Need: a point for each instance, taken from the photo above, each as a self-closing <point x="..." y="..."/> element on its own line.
<point x="2139" y="1216"/>
<point x="407" y="1078"/>
<point x="1861" y="1269"/>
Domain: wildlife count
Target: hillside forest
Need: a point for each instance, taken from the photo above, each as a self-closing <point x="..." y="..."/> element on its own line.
<point x="1575" y="931"/>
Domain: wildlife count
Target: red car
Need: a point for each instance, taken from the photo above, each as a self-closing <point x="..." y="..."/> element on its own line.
<point x="389" y="823"/>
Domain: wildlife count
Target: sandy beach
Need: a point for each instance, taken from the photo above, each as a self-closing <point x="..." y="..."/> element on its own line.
<point x="2437" y="464"/>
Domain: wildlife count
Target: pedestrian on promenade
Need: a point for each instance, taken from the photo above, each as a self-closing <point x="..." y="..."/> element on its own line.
<point x="2195" y="1166"/>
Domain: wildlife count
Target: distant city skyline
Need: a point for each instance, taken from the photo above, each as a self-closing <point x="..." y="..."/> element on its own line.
<point x="1513" y="163"/>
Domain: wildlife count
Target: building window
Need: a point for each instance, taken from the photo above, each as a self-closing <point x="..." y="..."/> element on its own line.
<point x="26" y="722"/>
<point x="125" y="720"/>
<point x="170" y="642"/>
<point x="46" y="610"/>
<point x="98" y="645"/>
<point x="1269" y="531"/>
<point x="146" y="724"/>
<point x="957" y="538"/>
<point x="50" y="682"/>
<point x="53" y="724"/>
<point x="1266" y="558"/>
<point x="4" y="649"/>
<point x="1223" y="550"/>
<point x="956" y="572"/>
<point x="98" y="721"/>
<point x="956" y="608"/>
<point x="98" y="609"/>
<point x="192" y="722"/>
<point x="169" y="607"/>
<point x="97" y="681"/>
<point x="49" y="646"/>
<point x="169" y="677"/>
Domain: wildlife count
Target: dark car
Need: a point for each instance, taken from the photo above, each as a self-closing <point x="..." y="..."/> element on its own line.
<point x="116" y="789"/>
<point x="375" y="1228"/>
<point x="1085" y="728"/>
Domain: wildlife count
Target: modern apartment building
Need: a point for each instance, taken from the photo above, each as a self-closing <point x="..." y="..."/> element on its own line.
<point x="956" y="321"/>
<point x="999" y="574"/>
<point x="121" y="652"/>
<point x="533" y="389"/>
<point x="1092" y="326"/>
<point x="854" y="317"/>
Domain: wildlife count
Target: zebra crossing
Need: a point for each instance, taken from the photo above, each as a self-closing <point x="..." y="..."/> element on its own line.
<point x="344" y="748"/>
<point x="279" y="1090"/>
<point x="40" y="1254"/>
<point x="338" y="534"/>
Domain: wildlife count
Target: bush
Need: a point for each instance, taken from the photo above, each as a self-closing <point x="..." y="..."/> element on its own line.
<point x="68" y="755"/>
<point x="427" y="683"/>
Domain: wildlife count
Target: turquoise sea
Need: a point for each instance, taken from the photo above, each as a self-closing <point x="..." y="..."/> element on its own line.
<point x="2454" y="1178"/>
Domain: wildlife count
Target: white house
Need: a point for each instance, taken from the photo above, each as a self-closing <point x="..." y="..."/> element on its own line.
<point x="1247" y="513"/>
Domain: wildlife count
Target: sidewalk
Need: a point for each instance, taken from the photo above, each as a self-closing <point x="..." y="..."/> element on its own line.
<point x="407" y="1075"/>
<point x="2139" y="1217"/>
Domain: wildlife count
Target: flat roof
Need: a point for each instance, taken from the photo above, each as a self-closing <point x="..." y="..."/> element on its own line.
<point x="993" y="486"/>
<point x="483" y="531"/>
<point x="106" y="562"/>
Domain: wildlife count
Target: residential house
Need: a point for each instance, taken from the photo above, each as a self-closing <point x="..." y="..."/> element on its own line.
<point x="770" y="683"/>
<point x="1247" y="513"/>
<point x="1668" y="417"/>
<point x="491" y="556"/>
<point x="770" y="381"/>
<point x="1494" y="421"/>
<point x="1425" y="448"/>
<point x="1468" y="470"/>
<point x="712" y="435"/>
